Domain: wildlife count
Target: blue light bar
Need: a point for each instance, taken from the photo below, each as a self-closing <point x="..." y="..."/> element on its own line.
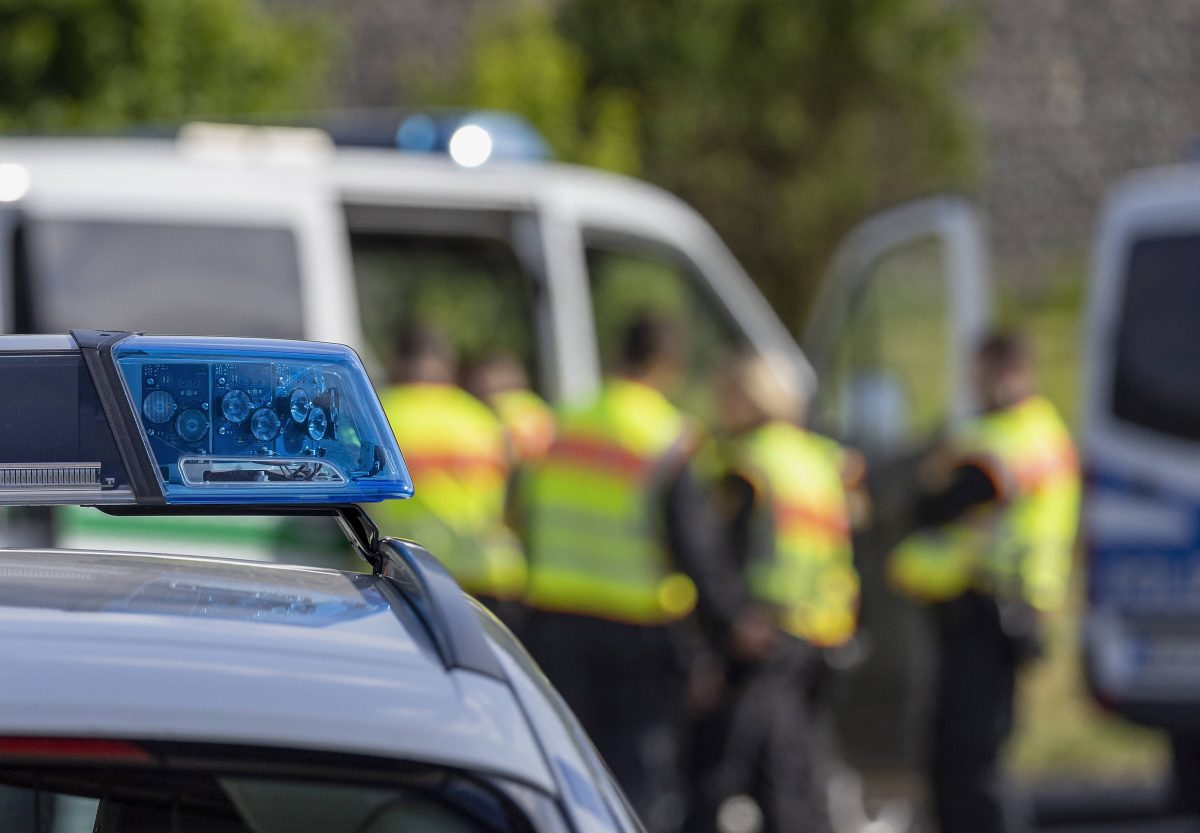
<point x="258" y="421"/>
<point x="500" y="136"/>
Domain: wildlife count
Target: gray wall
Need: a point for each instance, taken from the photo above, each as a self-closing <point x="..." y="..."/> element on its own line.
<point x="1069" y="95"/>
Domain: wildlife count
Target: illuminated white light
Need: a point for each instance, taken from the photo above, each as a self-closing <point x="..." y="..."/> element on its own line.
<point x="470" y="146"/>
<point x="14" y="182"/>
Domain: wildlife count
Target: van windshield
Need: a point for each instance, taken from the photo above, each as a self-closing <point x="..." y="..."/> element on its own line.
<point x="1156" y="386"/>
<point x="159" y="277"/>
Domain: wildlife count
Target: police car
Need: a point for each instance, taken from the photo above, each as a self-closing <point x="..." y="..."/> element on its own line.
<point x="162" y="692"/>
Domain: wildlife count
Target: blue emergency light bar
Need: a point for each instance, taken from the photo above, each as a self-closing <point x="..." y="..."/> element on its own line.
<point x="110" y="418"/>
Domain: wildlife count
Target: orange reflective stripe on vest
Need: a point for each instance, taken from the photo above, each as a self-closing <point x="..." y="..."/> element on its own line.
<point x="529" y="421"/>
<point x="809" y="578"/>
<point x="1019" y="545"/>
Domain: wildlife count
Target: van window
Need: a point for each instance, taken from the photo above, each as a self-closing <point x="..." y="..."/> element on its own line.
<point x="471" y="289"/>
<point x="626" y="283"/>
<point x="887" y="386"/>
<point x="159" y="277"/>
<point x="1156" y="385"/>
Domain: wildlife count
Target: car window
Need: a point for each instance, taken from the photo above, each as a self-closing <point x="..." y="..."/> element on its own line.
<point x="140" y="799"/>
<point x="887" y="382"/>
<point x="1153" y="388"/>
<point x="627" y="278"/>
<point x="472" y="290"/>
<point x="159" y="277"/>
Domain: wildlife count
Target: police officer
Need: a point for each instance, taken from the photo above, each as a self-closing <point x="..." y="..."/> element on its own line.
<point x="997" y="512"/>
<point x="455" y="449"/>
<point x="619" y="540"/>
<point x="787" y="530"/>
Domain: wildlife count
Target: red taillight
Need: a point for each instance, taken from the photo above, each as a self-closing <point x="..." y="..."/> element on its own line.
<point x="72" y="749"/>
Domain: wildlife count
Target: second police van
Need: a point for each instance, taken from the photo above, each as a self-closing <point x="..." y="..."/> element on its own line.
<point x="1141" y="449"/>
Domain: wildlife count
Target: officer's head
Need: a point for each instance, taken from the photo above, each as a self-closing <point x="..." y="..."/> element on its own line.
<point x="752" y="392"/>
<point x="1004" y="372"/>
<point x="652" y="351"/>
<point x="422" y="354"/>
<point x="494" y="373"/>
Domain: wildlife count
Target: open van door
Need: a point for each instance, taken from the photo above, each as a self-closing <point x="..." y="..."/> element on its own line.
<point x="891" y="337"/>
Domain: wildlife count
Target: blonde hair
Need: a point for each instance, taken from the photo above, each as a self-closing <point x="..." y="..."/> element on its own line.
<point x="766" y="387"/>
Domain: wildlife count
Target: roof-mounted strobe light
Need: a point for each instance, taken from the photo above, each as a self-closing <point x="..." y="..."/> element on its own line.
<point x="471" y="138"/>
<point x="114" y="418"/>
<point x="470" y="146"/>
<point x="14" y="182"/>
<point x="260" y="421"/>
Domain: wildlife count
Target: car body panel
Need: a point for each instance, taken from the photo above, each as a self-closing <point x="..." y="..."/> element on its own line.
<point x="262" y="655"/>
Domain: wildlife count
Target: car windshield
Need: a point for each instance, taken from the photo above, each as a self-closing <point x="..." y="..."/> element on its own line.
<point x="181" y="795"/>
<point x="1155" y="386"/>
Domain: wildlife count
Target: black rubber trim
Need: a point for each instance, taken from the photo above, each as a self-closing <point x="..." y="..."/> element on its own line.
<point x="96" y="347"/>
<point x="357" y="525"/>
<point x="447" y="611"/>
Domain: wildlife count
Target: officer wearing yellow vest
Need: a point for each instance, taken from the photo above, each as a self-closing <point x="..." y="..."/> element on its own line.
<point x="620" y="547"/>
<point x="782" y="498"/>
<point x="997" y="518"/>
<point x="455" y="449"/>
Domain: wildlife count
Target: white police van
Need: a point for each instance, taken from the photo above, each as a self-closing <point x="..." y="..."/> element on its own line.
<point x="1141" y="452"/>
<point x="161" y="692"/>
<point x="256" y="231"/>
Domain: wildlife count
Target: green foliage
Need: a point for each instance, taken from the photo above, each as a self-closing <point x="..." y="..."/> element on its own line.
<point x="99" y="64"/>
<point x="782" y="121"/>
<point x="520" y="63"/>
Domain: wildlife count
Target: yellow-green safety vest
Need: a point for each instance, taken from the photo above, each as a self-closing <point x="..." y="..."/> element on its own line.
<point x="809" y="578"/>
<point x="595" y="527"/>
<point x="528" y="420"/>
<point x="454" y="448"/>
<point x="1019" y="545"/>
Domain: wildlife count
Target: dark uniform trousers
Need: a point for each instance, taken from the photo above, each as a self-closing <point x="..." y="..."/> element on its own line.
<point x="625" y="683"/>
<point x="973" y="717"/>
<point x="758" y="743"/>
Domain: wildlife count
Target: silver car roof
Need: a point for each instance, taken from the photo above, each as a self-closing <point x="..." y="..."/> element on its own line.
<point x="150" y="647"/>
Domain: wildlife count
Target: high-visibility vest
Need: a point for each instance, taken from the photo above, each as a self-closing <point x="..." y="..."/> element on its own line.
<point x="1019" y="545"/>
<point x="454" y="448"/>
<point x="809" y="578"/>
<point x="528" y="420"/>
<point x="595" y="519"/>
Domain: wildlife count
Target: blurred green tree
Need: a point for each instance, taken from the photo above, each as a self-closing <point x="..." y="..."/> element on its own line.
<point x="518" y="61"/>
<point x="783" y="122"/>
<point x="102" y="64"/>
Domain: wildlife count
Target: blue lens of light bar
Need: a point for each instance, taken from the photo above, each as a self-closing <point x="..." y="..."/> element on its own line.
<point x="259" y="421"/>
